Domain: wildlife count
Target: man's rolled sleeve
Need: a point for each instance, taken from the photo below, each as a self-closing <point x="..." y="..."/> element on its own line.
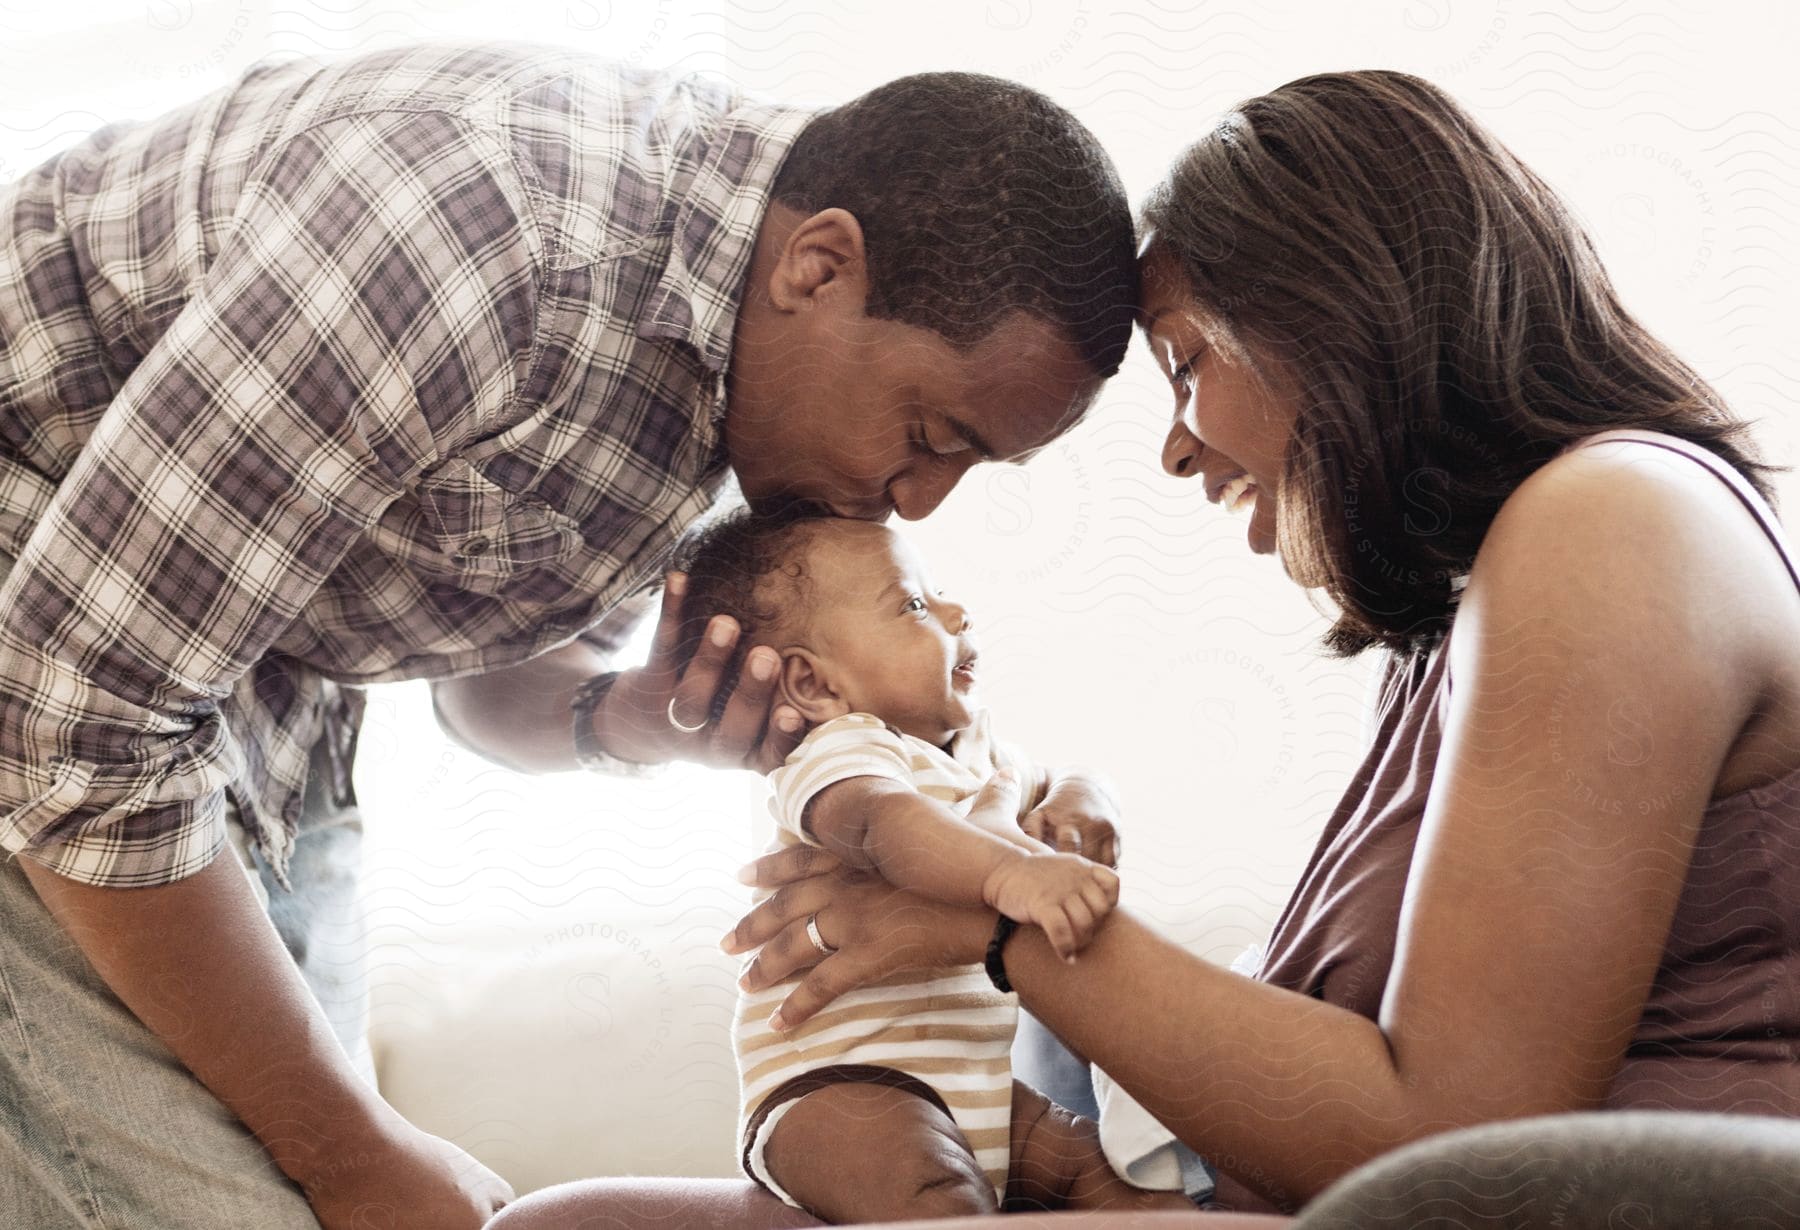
<point x="368" y="315"/>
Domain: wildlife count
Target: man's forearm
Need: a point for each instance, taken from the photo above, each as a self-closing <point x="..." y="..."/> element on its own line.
<point x="201" y="965"/>
<point x="519" y="717"/>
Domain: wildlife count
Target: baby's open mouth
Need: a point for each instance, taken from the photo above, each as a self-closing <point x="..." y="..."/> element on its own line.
<point x="965" y="670"/>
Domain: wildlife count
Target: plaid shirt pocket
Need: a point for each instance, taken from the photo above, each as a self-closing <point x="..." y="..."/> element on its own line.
<point x="483" y="535"/>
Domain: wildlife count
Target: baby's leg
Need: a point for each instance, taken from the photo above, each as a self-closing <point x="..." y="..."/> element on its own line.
<point x="1057" y="1163"/>
<point x="859" y="1152"/>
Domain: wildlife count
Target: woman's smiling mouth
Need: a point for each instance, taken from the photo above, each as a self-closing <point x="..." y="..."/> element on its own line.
<point x="1236" y="494"/>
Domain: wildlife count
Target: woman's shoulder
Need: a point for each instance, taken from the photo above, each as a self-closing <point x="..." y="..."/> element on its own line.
<point x="1630" y="538"/>
<point x="1639" y="502"/>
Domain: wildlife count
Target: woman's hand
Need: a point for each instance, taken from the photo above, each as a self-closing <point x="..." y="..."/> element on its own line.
<point x="752" y="732"/>
<point x="876" y="930"/>
<point x="1077" y="816"/>
<point x="409" y="1180"/>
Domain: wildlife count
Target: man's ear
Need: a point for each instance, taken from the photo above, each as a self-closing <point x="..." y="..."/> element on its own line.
<point x="805" y="685"/>
<point x="822" y="261"/>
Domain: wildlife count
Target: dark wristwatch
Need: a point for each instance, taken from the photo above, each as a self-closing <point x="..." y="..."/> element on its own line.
<point x="588" y="698"/>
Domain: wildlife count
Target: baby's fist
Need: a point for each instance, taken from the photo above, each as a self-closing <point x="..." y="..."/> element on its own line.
<point x="1064" y="894"/>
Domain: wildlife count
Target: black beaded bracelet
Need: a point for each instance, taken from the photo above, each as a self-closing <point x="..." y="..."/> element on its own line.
<point x="996" y="954"/>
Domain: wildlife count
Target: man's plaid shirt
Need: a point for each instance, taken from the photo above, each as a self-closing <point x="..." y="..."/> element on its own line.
<point x="410" y="366"/>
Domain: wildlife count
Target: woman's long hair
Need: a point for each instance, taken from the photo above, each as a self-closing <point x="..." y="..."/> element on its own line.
<point x="1438" y="318"/>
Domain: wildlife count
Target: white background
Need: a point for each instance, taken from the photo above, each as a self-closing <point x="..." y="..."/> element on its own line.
<point x="1124" y="624"/>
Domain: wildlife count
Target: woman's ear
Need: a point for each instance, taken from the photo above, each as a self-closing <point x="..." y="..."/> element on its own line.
<point x="822" y="259"/>
<point x="805" y="685"/>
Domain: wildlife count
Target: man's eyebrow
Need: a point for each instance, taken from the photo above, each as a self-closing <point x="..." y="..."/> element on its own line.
<point x="971" y="437"/>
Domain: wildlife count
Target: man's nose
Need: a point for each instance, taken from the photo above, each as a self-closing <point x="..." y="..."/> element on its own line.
<point x="1181" y="451"/>
<point x="917" y="493"/>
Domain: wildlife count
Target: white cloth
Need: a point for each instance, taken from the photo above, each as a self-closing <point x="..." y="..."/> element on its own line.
<point x="1138" y="1147"/>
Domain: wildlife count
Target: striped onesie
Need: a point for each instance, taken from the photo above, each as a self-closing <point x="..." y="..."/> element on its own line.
<point x="945" y="1034"/>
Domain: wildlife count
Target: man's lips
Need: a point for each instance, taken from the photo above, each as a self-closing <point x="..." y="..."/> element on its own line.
<point x="862" y="510"/>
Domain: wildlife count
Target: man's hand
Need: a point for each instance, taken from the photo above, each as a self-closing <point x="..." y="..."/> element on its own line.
<point x="1077" y="816"/>
<point x="752" y="732"/>
<point x="1064" y="894"/>
<point x="874" y="929"/>
<point x="411" y="1180"/>
<point x="197" y="959"/>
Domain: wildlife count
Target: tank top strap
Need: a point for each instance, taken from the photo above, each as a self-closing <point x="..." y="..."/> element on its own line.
<point x="1723" y="471"/>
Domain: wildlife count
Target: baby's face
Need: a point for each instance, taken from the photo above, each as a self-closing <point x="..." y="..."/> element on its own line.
<point x="885" y="640"/>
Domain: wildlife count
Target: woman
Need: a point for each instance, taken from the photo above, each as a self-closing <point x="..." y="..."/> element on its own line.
<point x="1567" y="874"/>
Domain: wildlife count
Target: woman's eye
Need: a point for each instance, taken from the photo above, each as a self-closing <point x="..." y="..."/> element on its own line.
<point x="1183" y="378"/>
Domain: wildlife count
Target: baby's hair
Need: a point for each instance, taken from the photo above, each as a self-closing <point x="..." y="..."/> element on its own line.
<point x="730" y="564"/>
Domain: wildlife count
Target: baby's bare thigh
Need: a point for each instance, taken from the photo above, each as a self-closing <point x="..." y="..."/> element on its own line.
<point x="857" y="1152"/>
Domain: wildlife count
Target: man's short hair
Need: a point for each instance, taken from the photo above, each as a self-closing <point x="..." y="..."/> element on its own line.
<point x="977" y="197"/>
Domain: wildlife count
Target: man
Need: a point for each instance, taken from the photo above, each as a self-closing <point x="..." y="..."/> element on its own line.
<point x="416" y="366"/>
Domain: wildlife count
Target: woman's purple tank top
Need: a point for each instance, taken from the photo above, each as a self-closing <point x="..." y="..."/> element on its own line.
<point x="1721" y="1028"/>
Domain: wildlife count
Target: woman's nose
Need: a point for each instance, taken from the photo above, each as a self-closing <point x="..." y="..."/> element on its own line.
<point x="1181" y="452"/>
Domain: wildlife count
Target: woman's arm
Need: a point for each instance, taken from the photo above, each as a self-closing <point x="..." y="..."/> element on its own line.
<point x="1596" y="695"/>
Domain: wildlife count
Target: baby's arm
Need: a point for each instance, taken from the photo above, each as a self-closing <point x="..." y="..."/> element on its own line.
<point x="919" y="844"/>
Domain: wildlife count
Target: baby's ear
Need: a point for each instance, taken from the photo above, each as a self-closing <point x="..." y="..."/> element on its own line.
<point x="804" y="685"/>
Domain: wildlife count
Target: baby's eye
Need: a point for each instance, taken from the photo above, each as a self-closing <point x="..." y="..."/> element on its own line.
<point x="914" y="604"/>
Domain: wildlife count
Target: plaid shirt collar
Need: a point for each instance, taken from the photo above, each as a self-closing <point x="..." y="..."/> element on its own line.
<point x="687" y="305"/>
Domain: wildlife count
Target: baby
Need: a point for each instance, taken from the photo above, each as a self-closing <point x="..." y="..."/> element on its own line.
<point x="898" y="1100"/>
